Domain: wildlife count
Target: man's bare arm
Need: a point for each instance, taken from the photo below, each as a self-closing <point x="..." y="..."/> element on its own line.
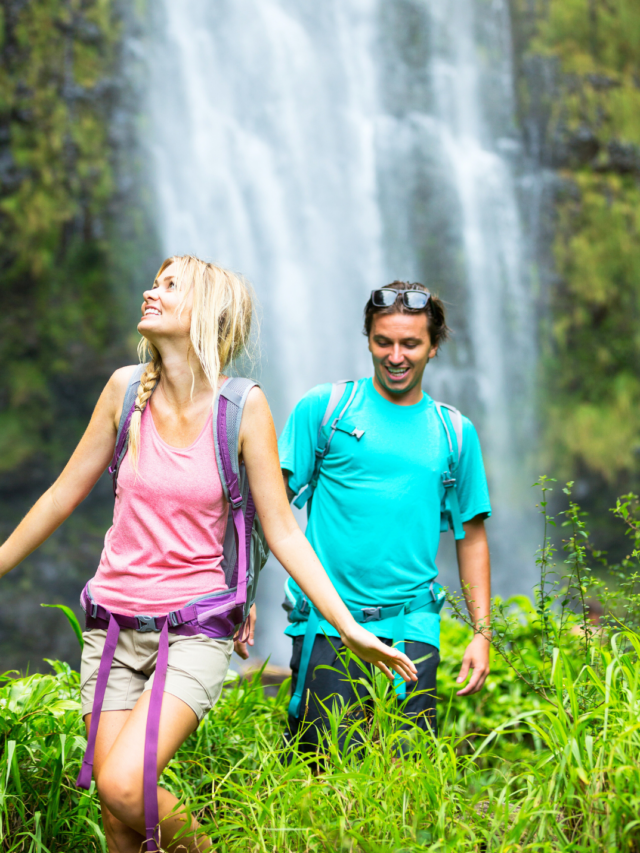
<point x="474" y="566"/>
<point x="290" y="493"/>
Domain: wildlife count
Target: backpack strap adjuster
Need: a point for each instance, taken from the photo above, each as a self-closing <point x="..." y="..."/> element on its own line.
<point x="371" y="614"/>
<point x="147" y="624"/>
<point x="448" y="481"/>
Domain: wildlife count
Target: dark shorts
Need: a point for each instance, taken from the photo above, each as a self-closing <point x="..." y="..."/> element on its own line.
<point x="322" y="684"/>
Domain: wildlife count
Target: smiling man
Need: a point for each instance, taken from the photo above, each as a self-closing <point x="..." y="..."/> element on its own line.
<point x="383" y="469"/>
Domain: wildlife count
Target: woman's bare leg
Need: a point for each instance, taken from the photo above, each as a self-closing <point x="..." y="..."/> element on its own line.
<point x="120" y="837"/>
<point x="120" y="777"/>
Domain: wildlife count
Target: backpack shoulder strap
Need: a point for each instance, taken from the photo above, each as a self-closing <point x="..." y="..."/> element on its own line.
<point x="451" y="518"/>
<point x="339" y="391"/>
<point x="122" y="437"/>
<point x="130" y="395"/>
<point x="227" y="417"/>
<point x="455" y="419"/>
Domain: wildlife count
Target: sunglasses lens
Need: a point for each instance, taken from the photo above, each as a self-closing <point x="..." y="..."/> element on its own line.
<point x="416" y="299"/>
<point x="383" y="298"/>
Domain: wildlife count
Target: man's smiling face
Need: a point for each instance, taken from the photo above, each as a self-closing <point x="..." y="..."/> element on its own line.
<point x="400" y="346"/>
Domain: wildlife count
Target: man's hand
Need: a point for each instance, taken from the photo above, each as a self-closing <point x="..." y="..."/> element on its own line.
<point x="241" y="648"/>
<point x="476" y="658"/>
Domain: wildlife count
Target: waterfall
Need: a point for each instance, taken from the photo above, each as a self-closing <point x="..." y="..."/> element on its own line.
<point x="323" y="149"/>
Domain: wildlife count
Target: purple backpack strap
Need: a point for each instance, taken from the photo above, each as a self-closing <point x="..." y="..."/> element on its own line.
<point x="111" y="641"/>
<point x="150" y="760"/>
<point x="150" y="765"/>
<point x="235" y="499"/>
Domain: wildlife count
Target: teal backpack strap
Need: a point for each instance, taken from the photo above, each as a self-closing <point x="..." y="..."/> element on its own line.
<point x="451" y="420"/>
<point x="342" y="391"/>
<point x="307" y="647"/>
<point x="432" y="601"/>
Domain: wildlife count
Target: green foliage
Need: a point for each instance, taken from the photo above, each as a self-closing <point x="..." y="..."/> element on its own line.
<point x="76" y="245"/>
<point x="62" y="311"/>
<point x="42" y="746"/>
<point x="594" y="389"/>
<point x="586" y="104"/>
<point x="72" y="620"/>
<point x="554" y="778"/>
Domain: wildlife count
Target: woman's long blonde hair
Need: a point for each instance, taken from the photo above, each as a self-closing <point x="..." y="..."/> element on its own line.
<point x="220" y="329"/>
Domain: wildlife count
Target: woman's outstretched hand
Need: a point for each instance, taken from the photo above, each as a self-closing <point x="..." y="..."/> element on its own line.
<point x="369" y="648"/>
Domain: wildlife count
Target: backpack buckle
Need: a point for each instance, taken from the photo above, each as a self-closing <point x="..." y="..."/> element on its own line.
<point x="371" y="614"/>
<point x="303" y="607"/>
<point x="146" y="624"/>
<point x="447" y="480"/>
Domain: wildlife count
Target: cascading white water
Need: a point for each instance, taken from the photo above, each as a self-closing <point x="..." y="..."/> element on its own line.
<point x="324" y="149"/>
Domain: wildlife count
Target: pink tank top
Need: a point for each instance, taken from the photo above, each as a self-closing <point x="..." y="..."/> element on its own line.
<point x="165" y="545"/>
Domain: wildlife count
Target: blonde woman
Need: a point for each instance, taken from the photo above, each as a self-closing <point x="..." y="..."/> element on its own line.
<point x="164" y="549"/>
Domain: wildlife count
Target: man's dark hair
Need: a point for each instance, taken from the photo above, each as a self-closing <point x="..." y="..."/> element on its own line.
<point x="434" y="309"/>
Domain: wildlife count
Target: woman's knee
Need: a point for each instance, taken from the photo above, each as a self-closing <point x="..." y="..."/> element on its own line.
<point x="122" y="795"/>
<point x="114" y="828"/>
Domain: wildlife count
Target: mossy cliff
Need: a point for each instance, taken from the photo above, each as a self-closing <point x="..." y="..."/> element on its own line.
<point x="578" y="67"/>
<point x="72" y="250"/>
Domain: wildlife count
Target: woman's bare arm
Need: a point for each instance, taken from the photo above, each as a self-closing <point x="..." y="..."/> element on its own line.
<point x="89" y="460"/>
<point x="259" y="450"/>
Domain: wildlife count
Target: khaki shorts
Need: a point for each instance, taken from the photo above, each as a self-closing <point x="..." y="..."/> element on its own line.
<point x="196" y="672"/>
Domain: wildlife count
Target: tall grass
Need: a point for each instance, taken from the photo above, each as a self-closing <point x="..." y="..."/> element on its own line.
<point x="544" y="759"/>
<point x="534" y="777"/>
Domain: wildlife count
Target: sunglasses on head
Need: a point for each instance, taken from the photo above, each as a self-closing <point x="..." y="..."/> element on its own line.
<point x="385" y="297"/>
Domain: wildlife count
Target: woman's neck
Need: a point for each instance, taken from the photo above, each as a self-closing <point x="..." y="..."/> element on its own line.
<point x="183" y="381"/>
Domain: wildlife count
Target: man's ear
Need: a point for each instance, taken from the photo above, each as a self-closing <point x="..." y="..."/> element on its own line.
<point x="433" y="352"/>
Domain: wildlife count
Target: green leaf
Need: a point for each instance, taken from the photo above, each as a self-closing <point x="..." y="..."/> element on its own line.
<point x="73" y="621"/>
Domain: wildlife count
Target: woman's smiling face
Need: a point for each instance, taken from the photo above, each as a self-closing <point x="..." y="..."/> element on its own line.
<point x="166" y="310"/>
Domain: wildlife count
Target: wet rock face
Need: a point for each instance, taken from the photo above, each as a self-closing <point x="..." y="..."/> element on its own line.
<point x="582" y="147"/>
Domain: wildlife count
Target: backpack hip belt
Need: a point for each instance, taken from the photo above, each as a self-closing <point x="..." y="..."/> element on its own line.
<point x="217" y="615"/>
<point x="430" y="601"/>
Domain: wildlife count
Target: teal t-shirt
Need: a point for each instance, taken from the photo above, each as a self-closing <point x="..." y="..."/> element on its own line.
<point x="375" y="518"/>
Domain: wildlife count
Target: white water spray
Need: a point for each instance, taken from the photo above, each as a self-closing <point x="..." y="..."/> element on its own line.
<point x="324" y="149"/>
